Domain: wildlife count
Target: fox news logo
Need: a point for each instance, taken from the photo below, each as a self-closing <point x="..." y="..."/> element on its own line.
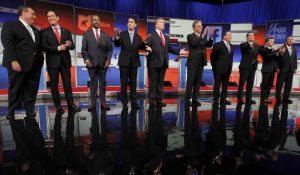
<point x="279" y="30"/>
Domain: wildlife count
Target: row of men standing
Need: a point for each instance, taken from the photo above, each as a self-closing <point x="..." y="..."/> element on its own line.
<point x="23" y="58"/>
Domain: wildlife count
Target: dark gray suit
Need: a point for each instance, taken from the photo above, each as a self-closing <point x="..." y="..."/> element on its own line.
<point x="157" y="63"/>
<point x="97" y="53"/>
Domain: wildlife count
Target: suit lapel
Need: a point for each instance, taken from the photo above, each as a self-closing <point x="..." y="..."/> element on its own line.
<point x="225" y="47"/>
<point x="25" y="30"/>
<point x="93" y="37"/>
<point x="51" y="31"/>
<point x="128" y="38"/>
<point x="158" y="37"/>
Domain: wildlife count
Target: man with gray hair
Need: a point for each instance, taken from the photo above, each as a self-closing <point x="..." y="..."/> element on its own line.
<point x="196" y="61"/>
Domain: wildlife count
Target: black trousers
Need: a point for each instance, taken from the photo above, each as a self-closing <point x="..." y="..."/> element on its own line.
<point x="246" y="75"/>
<point x="221" y="78"/>
<point x="285" y="78"/>
<point x="194" y="79"/>
<point x="23" y="88"/>
<point x="266" y="84"/>
<point x="156" y="84"/>
<point x="66" y="79"/>
<point x="128" y="73"/>
<point x="97" y="80"/>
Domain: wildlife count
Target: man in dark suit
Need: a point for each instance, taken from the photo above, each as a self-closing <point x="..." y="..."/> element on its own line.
<point x="196" y="61"/>
<point x="97" y="51"/>
<point x="247" y="67"/>
<point x="158" y="62"/>
<point x="23" y="60"/>
<point x="56" y="42"/>
<point x="221" y="61"/>
<point x="129" y="60"/>
<point x="270" y="58"/>
<point x="287" y="65"/>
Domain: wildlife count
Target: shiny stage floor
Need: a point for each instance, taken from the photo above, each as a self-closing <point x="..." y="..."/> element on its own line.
<point x="209" y="139"/>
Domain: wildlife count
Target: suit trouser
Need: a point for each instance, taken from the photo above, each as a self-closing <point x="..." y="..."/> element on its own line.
<point x="23" y="88"/>
<point x="97" y="76"/>
<point x="194" y="79"/>
<point x="221" y="78"/>
<point x="285" y="78"/>
<point x="128" y="72"/>
<point x="156" y="84"/>
<point x="66" y="79"/>
<point x="266" y="84"/>
<point x="246" y="75"/>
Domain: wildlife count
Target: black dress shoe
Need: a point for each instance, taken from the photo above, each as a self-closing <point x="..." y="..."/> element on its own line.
<point x="288" y="101"/>
<point x="251" y="101"/>
<point x="225" y="101"/>
<point x="60" y="110"/>
<point x="196" y="103"/>
<point x="92" y="108"/>
<point x="265" y="100"/>
<point x="105" y="106"/>
<point x="74" y="108"/>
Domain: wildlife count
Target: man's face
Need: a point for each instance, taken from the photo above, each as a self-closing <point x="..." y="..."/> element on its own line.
<point x="160" y="24"/>
<point x="198" y="27"/>
<point x="250" y="37"/>
<point x="52" y="18"/>
<point x="28" y="16"/>
<point x="228" y="36"/>
<point x="270" y="43"/>
<point x="131" y="24"/>
<point x="95" y="21"/>
<point x="290" y="41"/>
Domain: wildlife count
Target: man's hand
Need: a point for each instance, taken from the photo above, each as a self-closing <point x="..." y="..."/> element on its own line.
<point x="88" y="64"/>
<point x="148" y="48"/>
<point x="106" y="66"/>
<point x="212" y="32"/>
<point x="117" y="32"/>
<point x="62" y="47"/>
<point x="68" y="43"/>
<point x="16" y="66"/>
<point x="204" y="32"/>
<point x="277" y="70"/>
<point x="183" y="52"/>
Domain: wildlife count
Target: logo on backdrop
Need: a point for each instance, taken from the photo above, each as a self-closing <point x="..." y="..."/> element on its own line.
<point x="84" y="22"/>
<point x="217" y="33"/>
<point x="280" y="30"/>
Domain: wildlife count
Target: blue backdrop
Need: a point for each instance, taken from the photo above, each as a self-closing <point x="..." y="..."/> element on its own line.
<point x="255" y="11"/>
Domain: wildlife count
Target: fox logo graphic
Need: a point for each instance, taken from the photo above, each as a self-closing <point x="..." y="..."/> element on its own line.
<point x="274" y="29"/>
<point x="84" y="22"/>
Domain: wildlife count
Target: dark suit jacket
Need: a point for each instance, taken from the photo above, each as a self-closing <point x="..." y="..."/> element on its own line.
<point x="129" y="54"/>
<point x="50" y="45"/>
<point x="221" y="59"/>
<point x="197" y="50"/>
<point x="270" y="59"/>
<point x="159" y="55"/>
<point x="96" y="53"/>
<point x="19" y="46"/>
<point x="288" y="63"/>
<point x="249" y="56"/>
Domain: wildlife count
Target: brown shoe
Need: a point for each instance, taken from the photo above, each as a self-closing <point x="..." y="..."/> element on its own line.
<point x="105" y="106"/>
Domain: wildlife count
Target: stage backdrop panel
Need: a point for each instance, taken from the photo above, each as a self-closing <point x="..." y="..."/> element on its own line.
<point x="83" y="23"/>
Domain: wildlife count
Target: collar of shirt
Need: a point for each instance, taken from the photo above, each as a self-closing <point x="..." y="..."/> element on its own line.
<point x="268" y="47"/>
<point x="94" y="30"/>
<point x="198" y="34"/>
<point x="130" y="32"/>
<point x="226" y="42"/>
<point x="24" y="23"/>
<point x="56" y="27"/>
<point x="251" y="43"/>
<point x="289" y="47"/>
<point x="159" y="32"/>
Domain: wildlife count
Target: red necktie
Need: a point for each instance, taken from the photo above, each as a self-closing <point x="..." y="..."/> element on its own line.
<point x="57" y="35"/>
<point x="97" y="36"/>
<point x="162" y="39"/>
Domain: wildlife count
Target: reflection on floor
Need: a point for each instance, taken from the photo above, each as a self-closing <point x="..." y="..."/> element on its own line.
<point x="209" y="139"/>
